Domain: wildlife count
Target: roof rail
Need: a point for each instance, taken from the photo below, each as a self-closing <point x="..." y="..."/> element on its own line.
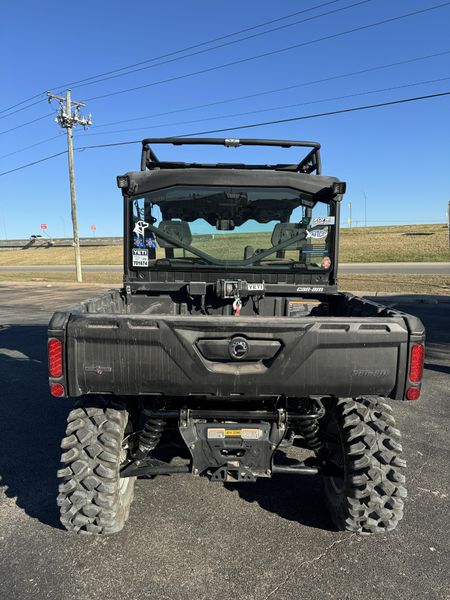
<point x="309" y="164"/>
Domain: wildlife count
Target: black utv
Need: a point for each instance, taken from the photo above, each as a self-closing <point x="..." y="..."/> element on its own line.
<point x="228" y="346"/>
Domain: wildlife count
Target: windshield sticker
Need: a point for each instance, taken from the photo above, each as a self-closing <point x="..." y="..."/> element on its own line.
<point x="323" y="221"/>
<point x="139" y="228"/>
<point x="150" y="242"/>
<point x="317" y="234"/>
<point x="326" y="262"/>
<point x="140" y="258"/>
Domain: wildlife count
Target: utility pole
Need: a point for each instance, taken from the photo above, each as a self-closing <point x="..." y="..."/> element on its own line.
<point x="67" y="119"/>
<point x="350" y="215"/>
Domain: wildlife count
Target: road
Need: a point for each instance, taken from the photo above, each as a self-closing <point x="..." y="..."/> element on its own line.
<point x="351" y="268"/>
<point x="189" y="539"/>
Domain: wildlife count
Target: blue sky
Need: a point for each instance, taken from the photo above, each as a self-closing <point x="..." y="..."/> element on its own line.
<point x="397" y="156"/>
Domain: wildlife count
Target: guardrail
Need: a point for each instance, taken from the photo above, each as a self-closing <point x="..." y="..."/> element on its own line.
<point x="44" y="242"/>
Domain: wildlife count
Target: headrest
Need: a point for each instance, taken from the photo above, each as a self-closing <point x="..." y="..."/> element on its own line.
<point x="285" y="231"/>
<point x="179" y="230"/>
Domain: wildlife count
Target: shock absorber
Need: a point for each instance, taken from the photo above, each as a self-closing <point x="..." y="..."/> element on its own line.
<point x="150" y="435"/>
<point x="309" y="429"/>
<point x="308" y="426"/>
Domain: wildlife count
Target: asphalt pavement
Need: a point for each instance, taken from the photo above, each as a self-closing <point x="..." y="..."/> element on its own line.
<point x="411" y="268"/>
<point x="189" y="539"/>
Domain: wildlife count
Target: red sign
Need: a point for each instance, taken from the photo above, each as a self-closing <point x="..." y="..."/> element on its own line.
<point x="43" y="226"/>
<point x="93" y="227"/>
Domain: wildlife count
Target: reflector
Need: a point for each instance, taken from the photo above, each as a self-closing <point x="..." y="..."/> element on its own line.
<point x="57" y="390"/>
<point x="413" y="393"/>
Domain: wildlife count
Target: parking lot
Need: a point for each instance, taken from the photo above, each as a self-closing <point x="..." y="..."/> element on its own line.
<point x="188" y="538"/>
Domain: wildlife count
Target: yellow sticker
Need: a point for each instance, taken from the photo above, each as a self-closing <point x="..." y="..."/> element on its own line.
<point x="232" y="433"/>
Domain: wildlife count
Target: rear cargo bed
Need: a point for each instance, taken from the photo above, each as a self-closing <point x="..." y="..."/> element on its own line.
<point x="362" y="350"/>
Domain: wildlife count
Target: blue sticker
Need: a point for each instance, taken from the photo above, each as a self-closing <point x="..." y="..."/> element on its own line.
<point x="138" y="242"/>
<point x="150" y="242"/>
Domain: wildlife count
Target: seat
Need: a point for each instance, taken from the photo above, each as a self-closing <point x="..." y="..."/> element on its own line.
<point x="179" y="230"/>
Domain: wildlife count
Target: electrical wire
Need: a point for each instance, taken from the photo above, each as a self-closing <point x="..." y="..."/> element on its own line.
<point x="27" y="123"/>
<point x="323" y="114"/>
<point x="276" y="90"/>
<point x="33" y="163"/>
<point x="80" y="81"/>
<point x="200" y="44"/>
<point x="31" y="146"/>
<point x="248" y="126"/>
<point x="24" y="108"/>
<point x="274" y="108"/>
<point x="271" y="53"/>
<point x="223" y="45"/>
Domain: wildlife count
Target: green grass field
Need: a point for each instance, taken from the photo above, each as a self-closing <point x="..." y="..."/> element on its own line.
<point x="406" y="243"/>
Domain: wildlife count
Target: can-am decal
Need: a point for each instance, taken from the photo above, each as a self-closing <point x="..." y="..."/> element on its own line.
<point x="309" y="289"/>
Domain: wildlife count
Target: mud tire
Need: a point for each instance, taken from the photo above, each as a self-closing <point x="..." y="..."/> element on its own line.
<point x="369" y="497"/>
<point x="93" y="499"/>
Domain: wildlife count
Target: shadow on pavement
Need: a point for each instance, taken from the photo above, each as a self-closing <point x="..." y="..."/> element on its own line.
<point x="32" y="423"/>
<point x="293" y="497"/>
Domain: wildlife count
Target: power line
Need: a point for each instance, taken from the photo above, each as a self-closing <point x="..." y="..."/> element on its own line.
<point x="248" y="126"/>
<point x="27" y="123"/>
<point x="28" y="147"/>
<point x="275" y="90"/>
<point x="324" y="114"/>
<point x="274" y="108"/>
<point x="21" y="109"/>
<point x="223" y="45"/>
<point x="80" y="81"/>
<point x="33" y="163"/>
<point x="272" y="52"/>
<point x="200" y="44"/>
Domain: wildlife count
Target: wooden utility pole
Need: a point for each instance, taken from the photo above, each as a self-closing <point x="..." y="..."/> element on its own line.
<point x="67" y="119"/>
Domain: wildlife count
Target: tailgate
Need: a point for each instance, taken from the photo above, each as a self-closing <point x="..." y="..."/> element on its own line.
<point x="181" y="356"/>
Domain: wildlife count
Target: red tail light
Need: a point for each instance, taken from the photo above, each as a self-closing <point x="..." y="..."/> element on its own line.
<point x="55" y="358"/>
<point x="57" y="390"/>
<point x="416" y="363"/>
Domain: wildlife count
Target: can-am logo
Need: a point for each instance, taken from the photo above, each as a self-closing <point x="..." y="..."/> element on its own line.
<point x="370" y="372"/>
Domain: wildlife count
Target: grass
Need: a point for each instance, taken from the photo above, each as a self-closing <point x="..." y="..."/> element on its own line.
<point x="418" y="284"/>
<point x="406" y="243"/>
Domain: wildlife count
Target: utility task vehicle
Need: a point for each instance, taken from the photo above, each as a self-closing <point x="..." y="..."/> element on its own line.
<point x="229" y="347"/>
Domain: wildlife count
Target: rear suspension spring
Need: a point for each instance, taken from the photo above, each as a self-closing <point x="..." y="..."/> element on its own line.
<point x="309" y="429"/>
<point x="150" y="436"/>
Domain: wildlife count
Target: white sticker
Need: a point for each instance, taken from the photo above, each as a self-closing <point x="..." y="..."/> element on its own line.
<point x="140" y="257"/>
<point x="255" y="287"/>
<point x="322" y="221"/>
<point x="317" y="234"/>
<point x="139" y="228"/>
<point x="309" y="289"/>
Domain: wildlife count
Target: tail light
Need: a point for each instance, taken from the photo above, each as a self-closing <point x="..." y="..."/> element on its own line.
<point x="415" y="374"/>
<point x="416" y="363"/>
<point x="55" y="358"/>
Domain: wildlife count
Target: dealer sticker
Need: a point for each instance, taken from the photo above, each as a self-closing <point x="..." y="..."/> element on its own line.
<point x="323" y="221"/>
<point x="140" y="257"/>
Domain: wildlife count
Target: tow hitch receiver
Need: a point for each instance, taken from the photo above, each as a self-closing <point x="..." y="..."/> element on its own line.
<point x="232" y="451"/>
